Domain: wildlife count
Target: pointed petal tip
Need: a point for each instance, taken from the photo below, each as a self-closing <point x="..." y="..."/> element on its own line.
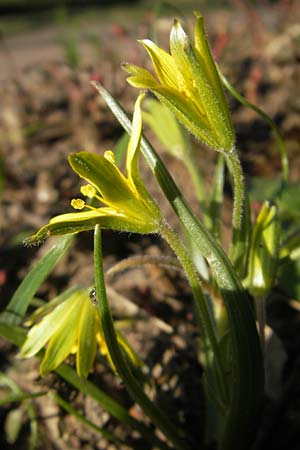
<point x="147" y="43"/>
<point x="178" y="35"/>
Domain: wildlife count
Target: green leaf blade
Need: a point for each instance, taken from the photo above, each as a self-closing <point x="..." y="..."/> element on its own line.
<point x="21" y="299"/>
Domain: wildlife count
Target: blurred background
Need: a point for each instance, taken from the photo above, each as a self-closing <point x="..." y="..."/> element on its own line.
<point x="49" y="52"/>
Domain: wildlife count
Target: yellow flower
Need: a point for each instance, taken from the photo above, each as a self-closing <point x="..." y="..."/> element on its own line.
<point x="127" y="204"/>
<point x="189" y="85"/>
<point x="70" y="325"/>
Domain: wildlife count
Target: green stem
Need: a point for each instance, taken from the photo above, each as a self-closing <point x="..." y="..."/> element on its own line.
<point x="216" y="199"/>
<point x="271" y="123"/>
<point x="134" y="389"/>
<point x="238" y="242"/>
<point x="236" y="172"/>
<point x="247" y="368"/>
<point x="201" y="308"/>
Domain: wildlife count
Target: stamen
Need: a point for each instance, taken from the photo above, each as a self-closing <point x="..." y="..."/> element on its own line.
<point x="78" y="203"/>
<point x="88" y="190"/>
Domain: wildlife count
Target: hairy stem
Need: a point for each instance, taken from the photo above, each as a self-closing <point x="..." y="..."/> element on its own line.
<point x="203" y="315"/>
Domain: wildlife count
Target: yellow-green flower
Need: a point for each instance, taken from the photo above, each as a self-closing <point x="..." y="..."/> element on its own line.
<point x="264" y="252"/>
<point x="189" y="85"/>
<point x="128" y="205"/>
<point x="70" y="325"/>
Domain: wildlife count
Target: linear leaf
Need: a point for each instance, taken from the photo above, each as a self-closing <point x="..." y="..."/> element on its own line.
<point x="19" y="303"/>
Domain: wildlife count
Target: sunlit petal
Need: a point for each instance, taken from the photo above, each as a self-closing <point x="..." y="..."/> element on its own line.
<point x="163" y="63"/>
<point x="40" y="334"/>
<point x="87" y="343"/>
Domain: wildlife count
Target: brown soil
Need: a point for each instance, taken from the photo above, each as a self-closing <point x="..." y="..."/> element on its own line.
<point x="50" y="109"/>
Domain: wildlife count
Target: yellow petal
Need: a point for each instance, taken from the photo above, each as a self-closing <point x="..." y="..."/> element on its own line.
<point x="40" y="334"/>
<point x="132" y="356"/>
<point x="140" y="78"/>
<point x="87" y="343"/>
<point x="163" y="63"/>
<point x="63" y="340"/>
<point x="133" y="149"/>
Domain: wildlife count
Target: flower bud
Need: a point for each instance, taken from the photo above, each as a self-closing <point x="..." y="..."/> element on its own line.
<point x="264" y="252"/>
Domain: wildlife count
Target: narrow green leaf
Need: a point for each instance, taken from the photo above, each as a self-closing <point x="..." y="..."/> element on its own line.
<point x="19" y="397"/>
<point x="21" y="299"/>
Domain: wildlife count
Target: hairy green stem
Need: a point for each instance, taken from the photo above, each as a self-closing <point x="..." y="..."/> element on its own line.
<point x="203" y="315"/>
<point x="236" y="172"/>
<point x="237" y="248"/>
<point x="143" y="260"/>
<point x="133" y="387"/>
<point x="216" y="199"/>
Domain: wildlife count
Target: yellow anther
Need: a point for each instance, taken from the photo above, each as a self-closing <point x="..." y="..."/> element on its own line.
<point x="88" y="190"/>
<point x="77" y="203"/>
<point x="109" y="155"/>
